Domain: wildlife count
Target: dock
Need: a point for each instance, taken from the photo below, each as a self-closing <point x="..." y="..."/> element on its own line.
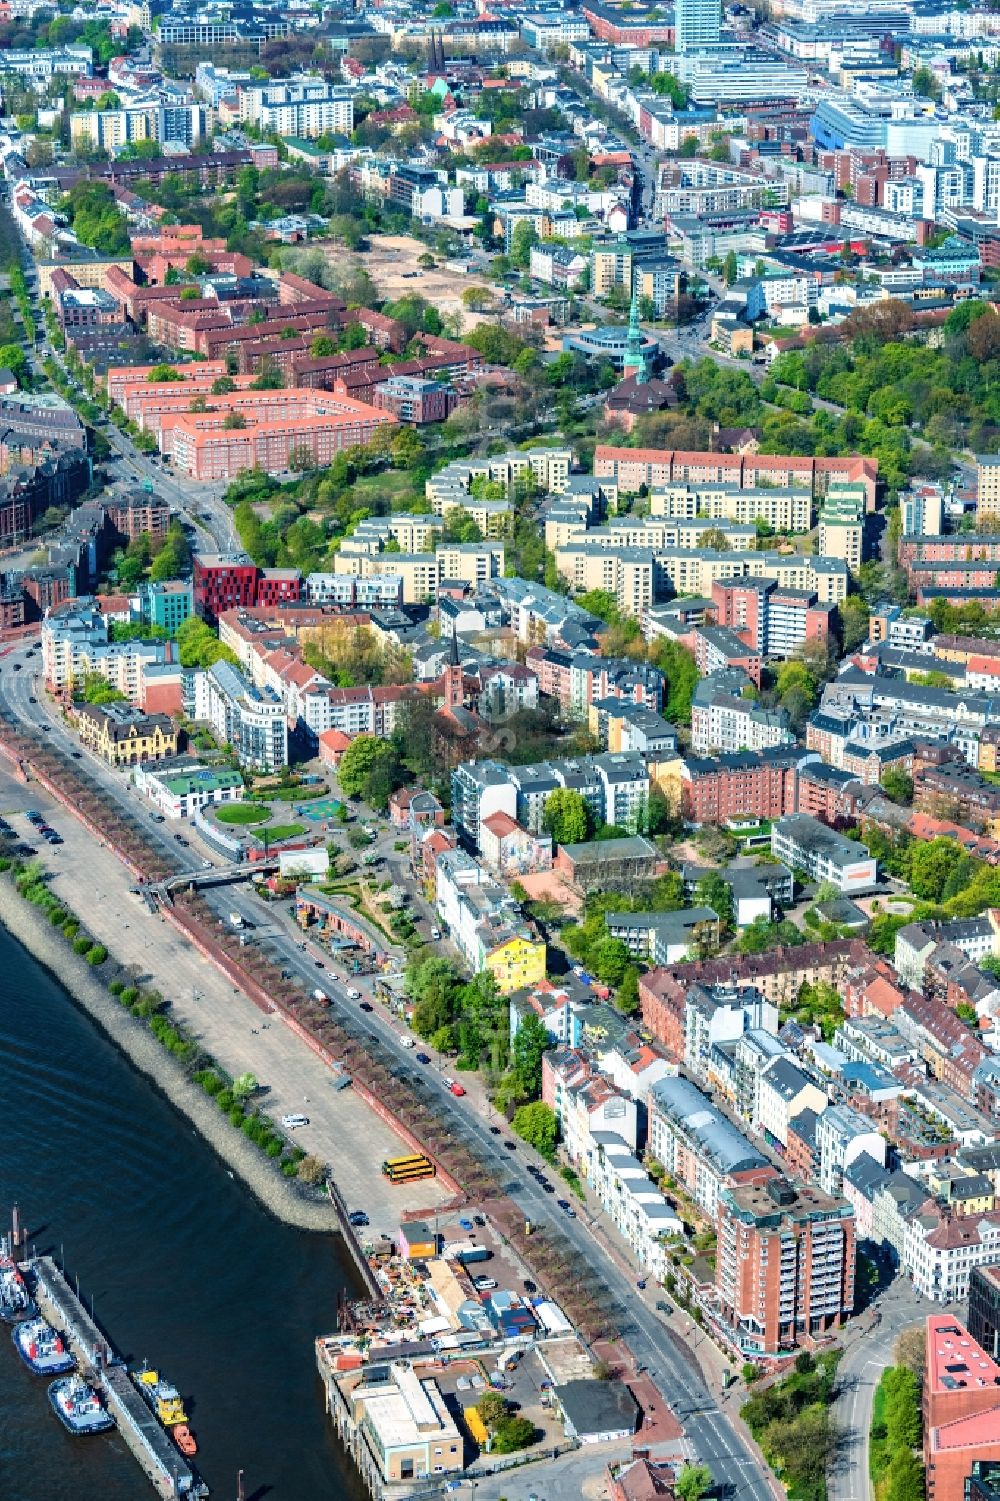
<point x="160" y="1460"/>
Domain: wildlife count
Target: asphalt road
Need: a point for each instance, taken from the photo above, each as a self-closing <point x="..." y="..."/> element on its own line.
<point x="671" y="1365"/>
<point x="867" y="1351"/>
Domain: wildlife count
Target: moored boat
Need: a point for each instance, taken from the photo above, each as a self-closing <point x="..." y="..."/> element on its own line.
<point x="78" y="1407"/>
<point x="184" y="1439"/>
<point x="41" y="1347"/>
<point x="15" y="1299"/>
<point x="163" y="1398"/>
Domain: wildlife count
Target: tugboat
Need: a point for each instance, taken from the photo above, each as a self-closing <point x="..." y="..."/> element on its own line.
<point x="15" y="1300"/>
<point x="78" y="1407"/>
<point x="163" y="1398"/>
<point x="41" y="1348"/>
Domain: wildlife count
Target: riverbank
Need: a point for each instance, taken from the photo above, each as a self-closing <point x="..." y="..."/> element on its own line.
<point x="29" y="926"/>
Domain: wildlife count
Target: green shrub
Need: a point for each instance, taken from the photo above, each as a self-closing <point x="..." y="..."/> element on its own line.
<point x="116" y="987"/>
<point x="236" y="1115"/>
<point x="209" y="1081"/>
<point x="129" y="995"/>
<point x="57" y="916"/>
<point x="273" y="1146"/>
<point x="96" y="954"/>
<point x="225" y="1100"/>
<point x="82" y="944"/>
<point x="71" y="926"/>
<point x="290" y="1169"/>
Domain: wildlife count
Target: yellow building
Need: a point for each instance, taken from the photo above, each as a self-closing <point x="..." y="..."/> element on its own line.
<point x="516" y="962"/>
<point x="124" y="736"/>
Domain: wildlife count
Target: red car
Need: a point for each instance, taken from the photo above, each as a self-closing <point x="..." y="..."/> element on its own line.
<point x="454" y="1087"/>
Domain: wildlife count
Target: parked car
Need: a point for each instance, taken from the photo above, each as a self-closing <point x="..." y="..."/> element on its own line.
<point x="407" y="1042"/>
<point x="355" y="995"/>
<point x="510" y="1145"/>
<point x="435" y="932"/>
<point x="423" y="1057"/>
<point x="357" y="1217"/>
<point x="293" y="1122"/>
<point x="458" y="1090"/>
<point x="367" y="1006"/>
<point x="567" y="1208"/>
<point x="485" y="1284"/>
<point x="494" y="1130"/>
<point x="466" y="1224"/>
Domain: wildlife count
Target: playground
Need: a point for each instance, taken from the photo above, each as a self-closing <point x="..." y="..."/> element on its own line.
<point x="323" y="810"/>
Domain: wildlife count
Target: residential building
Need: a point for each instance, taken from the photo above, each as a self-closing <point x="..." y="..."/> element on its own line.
<point x="125" y="736"/>
<point x="805" y="844"/>
<point x="698" y="1146"/>
<point x="842" y="1134"/>
<point x="250" y="719"/>
<point x="784" y="1264"/>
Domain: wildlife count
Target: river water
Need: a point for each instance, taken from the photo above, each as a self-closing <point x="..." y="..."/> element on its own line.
<point x="184" y="1267"/>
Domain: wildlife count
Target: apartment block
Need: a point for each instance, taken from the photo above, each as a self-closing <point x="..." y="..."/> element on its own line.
<point x="785" y="1264"/>
<point x="805" y="844"/>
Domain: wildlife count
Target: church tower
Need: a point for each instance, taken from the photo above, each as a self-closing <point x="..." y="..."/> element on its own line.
<point x="454" y="678"/>
<point x="635" y="361"/>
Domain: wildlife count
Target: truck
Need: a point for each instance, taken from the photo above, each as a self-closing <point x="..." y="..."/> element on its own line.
<point x="466" y="1251"/>
<point x="235" y="920"/>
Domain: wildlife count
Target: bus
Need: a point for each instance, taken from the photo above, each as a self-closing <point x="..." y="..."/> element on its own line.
<point x="407" y="1169"/>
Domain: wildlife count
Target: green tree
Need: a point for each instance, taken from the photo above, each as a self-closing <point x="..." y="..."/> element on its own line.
<point x="358" y="761"/>
<point x="712" y="891"/>
<point x="693" y="1482"/>
<point x="530" y="1041"/>
<point x="930" y="867"/>
<point x="906" y="1478"/>
<point x="161" y="373"/>
<point x="514" y="1433"/>
<point x="854" y="615"/>
<point x="199" y="646"/>
<point x="567" y="816"/>
<point x="14" y="359"/>
<point x="523" y="237"/>
<point x="537" y="1125"/>
<point x="681" y="672"/>
<point x="897" y="785"/>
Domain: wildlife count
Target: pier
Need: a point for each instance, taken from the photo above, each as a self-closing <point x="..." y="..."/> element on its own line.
<point x="161" y="1462"/>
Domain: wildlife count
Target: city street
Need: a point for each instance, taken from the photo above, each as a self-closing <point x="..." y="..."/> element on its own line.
<point x="867" y="1352"/>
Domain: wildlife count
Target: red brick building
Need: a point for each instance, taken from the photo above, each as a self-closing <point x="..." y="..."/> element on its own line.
<point x="223" y="581"/>
<point x="961" y="1402"/>
<point x="785" y="1264"/>
<point x="745" y="784"/>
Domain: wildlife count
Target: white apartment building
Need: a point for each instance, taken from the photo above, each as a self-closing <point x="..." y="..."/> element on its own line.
<point x="632" y="1201"/>
<point x="722" y="723"/>
<point x="252" y="720"/>
<point x="299" y="108"/>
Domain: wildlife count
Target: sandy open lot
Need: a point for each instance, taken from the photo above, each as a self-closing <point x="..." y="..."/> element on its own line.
<point x="391" y="262"/>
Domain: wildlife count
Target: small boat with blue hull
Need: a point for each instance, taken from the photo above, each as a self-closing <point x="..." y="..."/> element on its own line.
<point x="42" y="1348"/>
<point x="78" y="1407"/>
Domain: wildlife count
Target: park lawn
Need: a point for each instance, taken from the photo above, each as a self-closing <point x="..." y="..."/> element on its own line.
<point x="394" y="485"/>
<point x="242" y="813"/>
<point x="296" y="794"/>
<point x="278" y="831"/>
